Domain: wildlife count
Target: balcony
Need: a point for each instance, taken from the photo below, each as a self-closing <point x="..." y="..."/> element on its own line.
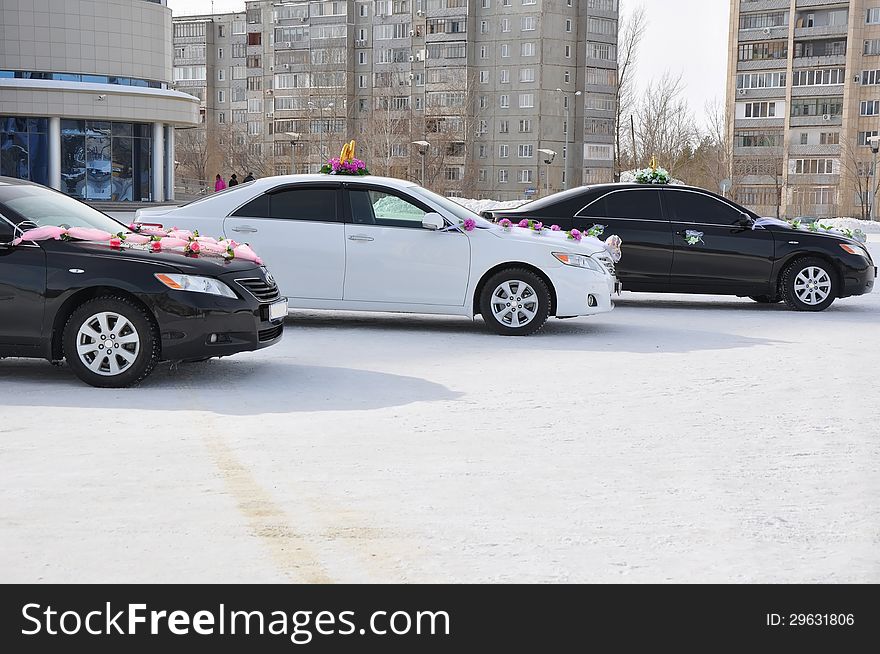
<point x="816" y="121"/>
<point x="827" y="60"/>
<point x="763" y="5"/>
<point x="763" y="34"/>
<point x="762" y="64"/>
<point x="825" y="30"/>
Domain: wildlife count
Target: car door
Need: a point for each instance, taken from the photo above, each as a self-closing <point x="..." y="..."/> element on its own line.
<point x="22" y="292"/>
<point x="714" y="251"/>
<point x="391" y="258"/>
<point x="298" y="232"/>
<point x="635" y="215"/>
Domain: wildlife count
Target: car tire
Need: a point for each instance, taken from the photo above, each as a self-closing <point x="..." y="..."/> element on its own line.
<point x="529" y="305"/>
<point x="809" y="284"/>
<point x="92" y="331"/>
<point x="766" y="299"/>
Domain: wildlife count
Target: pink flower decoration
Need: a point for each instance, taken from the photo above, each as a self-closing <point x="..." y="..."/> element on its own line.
<point x="505" y="223"/>
<point x="555" y="228"/>
<point x="41" y="234"/>
<point x="575" y="235"/>
<point x="524" y="224"/>
<point x="538" y="227"/>
<point x="156" y="246"/>
<point x="89" y="234"/>
<point x="137" y="239"/>
<point x="169" y="242"/>
<point x="244" y="252"/>
<point x="115" y="242"/>
<point x="469" y="224"/>
<point x="194" y="247"/>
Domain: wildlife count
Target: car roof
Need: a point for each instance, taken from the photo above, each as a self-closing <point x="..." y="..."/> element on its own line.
<point x="322" y="177"/>
<point x="14" y="181"/>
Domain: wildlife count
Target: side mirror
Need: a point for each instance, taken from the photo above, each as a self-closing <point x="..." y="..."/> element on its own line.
<point x="433" y="221"/>
<point x="745" y="220"/>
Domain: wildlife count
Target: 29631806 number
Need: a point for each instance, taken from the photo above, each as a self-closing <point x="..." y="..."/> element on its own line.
<point x="820" y="619"/>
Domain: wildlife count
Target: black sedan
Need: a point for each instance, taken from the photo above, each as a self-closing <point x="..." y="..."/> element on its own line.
<point x="679" y="239"/>
<point x="114" y="311"/>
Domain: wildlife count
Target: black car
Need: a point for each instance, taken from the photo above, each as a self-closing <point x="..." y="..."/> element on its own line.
<point x="114" y="313"/>
<point x="680" y="239"/>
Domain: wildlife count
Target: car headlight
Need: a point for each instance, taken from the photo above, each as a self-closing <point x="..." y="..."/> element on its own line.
<point x="196" y="284"/>
<point x="854" y="249"/>
<point x="580" y="261"/>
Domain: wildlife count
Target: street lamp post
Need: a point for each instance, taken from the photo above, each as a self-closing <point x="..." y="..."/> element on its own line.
<point x="423" y="152"/>
<point x="875" y="148"/>
<point x="567" y="106"/>
<point x="549" y="156"/>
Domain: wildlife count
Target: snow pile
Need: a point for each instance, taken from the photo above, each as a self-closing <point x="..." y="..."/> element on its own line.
<point x="867" y="226"/>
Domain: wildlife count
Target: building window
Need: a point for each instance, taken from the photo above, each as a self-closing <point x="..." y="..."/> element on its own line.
<point x="526" y="74"/>
<point x="525" y="176"/>
<point x="504" y="101"/>
<point x="503" y="151"/>
<point x="221" y="96"/>
<point x="526" y="151"/>
<point x="526" y="100"/>
<point x="24" y="148"/>
<point x="503" y="176"/>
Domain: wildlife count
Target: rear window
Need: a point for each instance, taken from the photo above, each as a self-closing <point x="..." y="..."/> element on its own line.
<point x="312" y="204"/>
<point x="635" y="204"/>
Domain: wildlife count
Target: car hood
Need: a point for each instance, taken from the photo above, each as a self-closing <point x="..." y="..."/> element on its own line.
<point x="775" y="225"/>
<point x="552" y="240"/>
<point x="202" y="265"/>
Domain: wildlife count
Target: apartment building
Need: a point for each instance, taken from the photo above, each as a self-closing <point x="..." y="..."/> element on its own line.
<point x="487" y="84"/>
<point x="804" y="93"/>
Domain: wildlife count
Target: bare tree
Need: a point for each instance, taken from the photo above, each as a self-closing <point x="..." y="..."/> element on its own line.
<point x="630" y="35"/>
<point x="858" y="162"/>
<point x="666" y="127"/>
<point x="192" y="148"/>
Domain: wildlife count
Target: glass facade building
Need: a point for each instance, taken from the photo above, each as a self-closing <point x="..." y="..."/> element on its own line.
<point x="95" y="122"/>
<point x="24" y="148"/>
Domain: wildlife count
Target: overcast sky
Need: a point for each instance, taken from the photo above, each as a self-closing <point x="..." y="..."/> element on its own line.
<point x="688" y="36"/>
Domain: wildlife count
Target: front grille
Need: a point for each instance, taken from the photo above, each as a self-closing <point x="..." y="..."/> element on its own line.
<point x="261" y="289"/>
<point x="270" y="334"/>
<point x="608" y="262"/>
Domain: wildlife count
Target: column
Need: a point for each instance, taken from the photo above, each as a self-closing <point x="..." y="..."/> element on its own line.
<point x="169" y="162"/>
<point x="55" y="153"/>
<point x="158" y="162"/>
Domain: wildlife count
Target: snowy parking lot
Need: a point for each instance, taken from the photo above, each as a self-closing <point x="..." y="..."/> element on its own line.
<point x="679" y="438"/>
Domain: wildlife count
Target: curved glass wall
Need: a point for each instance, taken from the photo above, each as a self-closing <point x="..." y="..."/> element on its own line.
<point x="24" y="148"/>
<point x="77" y="77"/>
<point x="102" y="160"/>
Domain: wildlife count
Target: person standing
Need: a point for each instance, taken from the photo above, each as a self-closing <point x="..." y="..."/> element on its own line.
<point x="219" y="184"/>
<point x="250" y="177"/>
<point x="233" y="181"/>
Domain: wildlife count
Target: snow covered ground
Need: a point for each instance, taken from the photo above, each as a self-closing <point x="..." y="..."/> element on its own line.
<point x="687" y="439"/>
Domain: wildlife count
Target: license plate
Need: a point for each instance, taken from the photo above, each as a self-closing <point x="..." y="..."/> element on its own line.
<point x="278" y="310"/>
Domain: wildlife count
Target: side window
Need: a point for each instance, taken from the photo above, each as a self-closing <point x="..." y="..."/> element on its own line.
<point x="256" y="208"/>
<point x="687" y="207"/>
<point x="634" y="204"/>
<point x="312" y="204"/>
<point x="384" y="209"/>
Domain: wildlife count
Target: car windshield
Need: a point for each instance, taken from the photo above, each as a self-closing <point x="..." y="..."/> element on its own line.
<point x="452" y="207"/>
<point x="42" y="207"/>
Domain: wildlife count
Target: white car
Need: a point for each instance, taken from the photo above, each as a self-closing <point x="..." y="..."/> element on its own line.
<point x="379" y="244"/>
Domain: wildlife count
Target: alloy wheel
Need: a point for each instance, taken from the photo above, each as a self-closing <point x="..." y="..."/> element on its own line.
<point x="812" y="285"/>
<point x="107" y="343"/>
<point x="514" y="303"/>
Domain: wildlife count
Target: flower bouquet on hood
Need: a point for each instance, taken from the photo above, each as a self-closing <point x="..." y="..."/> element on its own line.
<point x="346" y="163"/>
